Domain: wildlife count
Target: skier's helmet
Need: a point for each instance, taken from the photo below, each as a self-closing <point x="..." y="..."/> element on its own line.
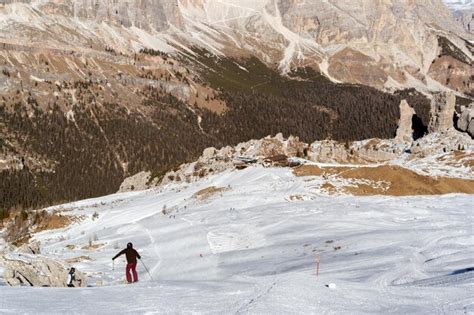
<point x="129" y="245"/>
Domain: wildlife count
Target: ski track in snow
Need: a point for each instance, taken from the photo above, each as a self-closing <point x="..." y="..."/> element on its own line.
<point x="155" y="250"/>
<point x="254" y="300"/>
<point x="251" y="249"/>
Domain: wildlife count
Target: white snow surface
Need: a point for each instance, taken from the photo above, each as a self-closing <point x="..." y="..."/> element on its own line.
<point x="251" y="248"/>
<point x="459" y="4"/>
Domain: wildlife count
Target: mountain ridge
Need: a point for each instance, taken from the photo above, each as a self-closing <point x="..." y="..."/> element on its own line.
<point x="291" y="33"/>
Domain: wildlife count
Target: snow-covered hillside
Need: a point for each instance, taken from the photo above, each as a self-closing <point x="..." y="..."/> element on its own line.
<point x="459" y="4"/>
<point x="246" y="242"/>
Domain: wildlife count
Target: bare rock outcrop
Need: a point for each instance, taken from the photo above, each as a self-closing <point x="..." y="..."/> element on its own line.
<point x="466" y="120"/>
<point x="378" y="150"/>
<point x="358" y="152"/>
<point x="211" y="161"/>
<point x="329" y="151"/>
<point x="442" y="111"/>
<point x="145" y="14"/>
<point x="260" y="151"/>
<point x="271" y="146"/>
<point x="215" y="160"/>
<point x="278" y="151"/>
<point x="37" y="271"/>
<point x="138" y="181"/>
<point x="405" y="130"/>
<point x="441" y="142"/>
<point x="33" y="247"/>
<point x="386" y="150"/>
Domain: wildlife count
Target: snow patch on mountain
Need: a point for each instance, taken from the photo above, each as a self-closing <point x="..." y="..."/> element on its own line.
<point x="152" y="41"/>
<point x="460" y="4"/>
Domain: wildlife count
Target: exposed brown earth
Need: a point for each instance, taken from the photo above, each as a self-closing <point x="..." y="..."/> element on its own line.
<point x="206" y="98"/>
<point x="78" y="259"/>
<point x="329" y="188"/>
<point x="209" y="192"/>
<point x="53" y="221"/>
<point x="401" y="181"/>
<point x="19" y="226"/>
<point x="453" y="73"/>
<point x="93" y="246"/>
<point x="459" y="158"/>
<point x="296" y="198"/>
<point x="355" y="67"/>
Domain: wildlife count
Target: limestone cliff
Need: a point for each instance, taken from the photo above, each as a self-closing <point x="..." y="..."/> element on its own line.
<point x="385" y="44"/>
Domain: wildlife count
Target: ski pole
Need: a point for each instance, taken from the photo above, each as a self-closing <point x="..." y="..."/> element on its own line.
<point x="147" y="270"/>
<point x="113" y="265"/>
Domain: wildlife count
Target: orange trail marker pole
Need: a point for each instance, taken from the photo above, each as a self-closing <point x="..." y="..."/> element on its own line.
<point x="318" y="259"/>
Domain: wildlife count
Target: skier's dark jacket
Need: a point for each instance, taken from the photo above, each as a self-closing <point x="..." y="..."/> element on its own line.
<point x="130" y="253"/>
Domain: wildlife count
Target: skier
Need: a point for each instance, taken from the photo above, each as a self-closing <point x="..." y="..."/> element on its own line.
<point x="132" y="256"/>
<point x="71" y="276"/>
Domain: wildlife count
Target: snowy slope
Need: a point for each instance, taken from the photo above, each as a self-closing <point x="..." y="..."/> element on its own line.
<point x="251" y="247"/>
<point x="460" y="4"/>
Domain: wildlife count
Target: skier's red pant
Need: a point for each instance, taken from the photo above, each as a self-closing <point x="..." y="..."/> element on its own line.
<point x="131" y="269"/>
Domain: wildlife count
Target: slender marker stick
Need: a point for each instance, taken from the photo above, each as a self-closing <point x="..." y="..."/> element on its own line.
<point x="318" y="259"/>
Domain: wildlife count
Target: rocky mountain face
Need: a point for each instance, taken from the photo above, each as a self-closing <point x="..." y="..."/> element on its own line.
<point x="466" y="120"/>
<point x="94" y="91"/>
<point x="148" y="15"/>
<point x="463" y="12"/>
<point x="389" y="44"/>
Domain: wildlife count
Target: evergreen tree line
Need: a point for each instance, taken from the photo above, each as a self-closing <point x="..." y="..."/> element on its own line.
<point x="305" y="103"/>
<point x="93" y="153"/>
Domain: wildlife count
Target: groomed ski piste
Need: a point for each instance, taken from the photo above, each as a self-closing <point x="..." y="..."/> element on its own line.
<point x="246" y="241"/>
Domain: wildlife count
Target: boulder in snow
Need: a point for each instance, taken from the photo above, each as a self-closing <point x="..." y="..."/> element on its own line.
<point x="37" y="271"/>
<point x="466" y="120"/>
<point x="138" y="181"/>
